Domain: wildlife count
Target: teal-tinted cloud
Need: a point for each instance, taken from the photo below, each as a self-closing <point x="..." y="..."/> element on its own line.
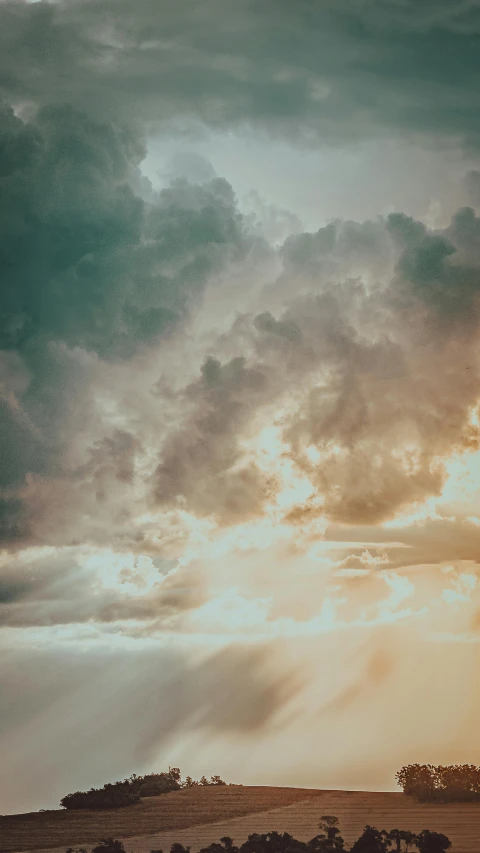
<point x="334" y="70"/>
<point x="90" y="272"/>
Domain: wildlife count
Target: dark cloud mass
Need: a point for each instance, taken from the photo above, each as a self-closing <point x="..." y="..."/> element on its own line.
<point x="90" y="271"/>
<point x="334" y="69"/>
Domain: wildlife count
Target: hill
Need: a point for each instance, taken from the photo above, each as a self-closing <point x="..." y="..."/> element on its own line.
<point x="169" y="813"/>
<point x="200" y="816"/>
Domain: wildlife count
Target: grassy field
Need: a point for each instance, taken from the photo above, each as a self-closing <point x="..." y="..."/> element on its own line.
<point x="171" y="812"/>
<point x="198" y="817"/>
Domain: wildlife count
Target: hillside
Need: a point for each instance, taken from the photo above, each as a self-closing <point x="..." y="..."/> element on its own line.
<point x="168" y="813"/>
<point x="200" y="816"/>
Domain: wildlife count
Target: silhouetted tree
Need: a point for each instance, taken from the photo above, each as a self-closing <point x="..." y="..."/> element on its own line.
<point x="409" y="839"/>
<point x="333" y="840"/>
<point x="129" y="792"/>
<point x="452" y="784"/>
<point x="179" y="848"/>
<point x="109" y="797"/>
<point x="109" y="845"/>
<point x="432" y="842"/>
<point x="371" y="841"/>
<point x="273" y="842"/>
<point x="396" y="837"/>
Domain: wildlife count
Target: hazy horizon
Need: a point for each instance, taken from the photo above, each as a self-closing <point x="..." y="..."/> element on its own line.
<point x="239" y="391"/>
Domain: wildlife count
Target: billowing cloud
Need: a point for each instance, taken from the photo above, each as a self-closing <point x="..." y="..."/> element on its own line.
<point x="337" y="70"/>
<point x="372" y="383"/>
<point x="240" y="459"/>
<point x="91" y="273"/>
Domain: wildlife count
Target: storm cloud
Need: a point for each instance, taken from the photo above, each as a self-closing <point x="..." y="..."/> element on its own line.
<point x="90" y="272"/>
<point x="332" y="71"/>
<point x="240" y="454"/>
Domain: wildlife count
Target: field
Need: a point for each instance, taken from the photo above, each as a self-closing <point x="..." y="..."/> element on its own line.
<point x="169" y="813"/>
<point x="200" y="816"/>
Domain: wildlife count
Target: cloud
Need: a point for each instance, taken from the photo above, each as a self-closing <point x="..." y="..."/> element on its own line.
<point x="202" y="462"/>
<point x="128" y="704"/>
<point x="45" y="587"/>
<point x="336" y="71"/>
<point x="92" y="275"/>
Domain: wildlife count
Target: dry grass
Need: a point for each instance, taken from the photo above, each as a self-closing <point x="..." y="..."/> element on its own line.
<point x="170" y="812"/>
<point x="196" y="818"/>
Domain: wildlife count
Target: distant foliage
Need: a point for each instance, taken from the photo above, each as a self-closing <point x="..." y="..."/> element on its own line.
<point x="109" y="845"/>
<point x="120" y="794"/>
<point x="372" y="840"/>
<point x="432" y="842"/>
<point x="457" y="783"/>
<point x="109" y="797"/>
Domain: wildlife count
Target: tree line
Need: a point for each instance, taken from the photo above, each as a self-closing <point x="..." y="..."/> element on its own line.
<point x="455" y="783"/>
<point x="116" y="795"/>
<point x="328" y="840"/>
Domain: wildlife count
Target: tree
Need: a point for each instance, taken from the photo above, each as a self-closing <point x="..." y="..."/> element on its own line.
<point x="329" y="824"/>
<point x="409" y="839"/>
<point x="395" y="835"/>
<point x="273" y="842"/>
<point x="109" y="797"/>
<point x="321" y="844"/>
<point x="432" y="842"/>
<point x="109" y="845"/>
<point x="179" y="848"/>
<point x="370" y="841"/>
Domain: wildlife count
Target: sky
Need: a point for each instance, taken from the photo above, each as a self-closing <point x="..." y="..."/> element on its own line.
<point x="239" y="391"/>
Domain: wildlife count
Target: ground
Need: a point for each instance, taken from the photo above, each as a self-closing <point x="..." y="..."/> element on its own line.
<point x="200" y="816"/>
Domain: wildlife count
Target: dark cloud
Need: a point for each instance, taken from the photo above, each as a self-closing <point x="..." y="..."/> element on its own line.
<point x="330" y="70"/>
<point x="91" y="272"/>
